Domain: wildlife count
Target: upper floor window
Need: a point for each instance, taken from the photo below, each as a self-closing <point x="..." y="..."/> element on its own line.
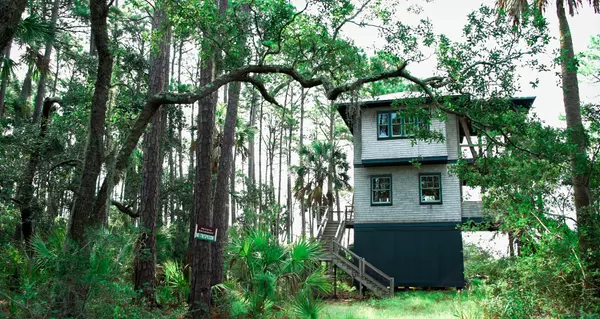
<point x="381" y="190"/>
<point x="430" y="188"/>
<point x="396" y="124"/>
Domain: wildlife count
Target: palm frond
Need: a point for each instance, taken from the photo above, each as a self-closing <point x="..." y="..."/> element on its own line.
<point x="8" y="68"/>
<point x="34" y="28"/>
<point x="306" y="307"/>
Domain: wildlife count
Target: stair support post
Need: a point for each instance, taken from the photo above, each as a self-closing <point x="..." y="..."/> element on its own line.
<point x="361" y="273"/>
<point x="334" y="281"/>
<point x="392" y="285"/>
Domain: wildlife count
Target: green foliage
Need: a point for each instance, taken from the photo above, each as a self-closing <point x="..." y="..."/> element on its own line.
<point x="481" y="266"/>
<point x="34" y="286"/>
<point x="312" y="176"/>
<point x="590" y="60"/>
<point x="410" y="304"/>
<point x="268" y="278"/>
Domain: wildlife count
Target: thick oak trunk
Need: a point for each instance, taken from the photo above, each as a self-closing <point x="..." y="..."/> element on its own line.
<point x="221" y="212"/>
<point x="145" y="249"/>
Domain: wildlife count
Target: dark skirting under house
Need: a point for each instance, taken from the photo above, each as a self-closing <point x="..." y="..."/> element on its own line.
<point x="415" y="254"/>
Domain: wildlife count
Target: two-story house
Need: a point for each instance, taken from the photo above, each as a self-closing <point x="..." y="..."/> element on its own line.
<point x="406" y="216"/>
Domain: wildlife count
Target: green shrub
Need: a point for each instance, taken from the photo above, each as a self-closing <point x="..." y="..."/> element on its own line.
<point x="269" y="279"/>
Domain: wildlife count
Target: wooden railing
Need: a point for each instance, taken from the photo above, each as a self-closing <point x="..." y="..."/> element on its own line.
<point x="339" y="233"/>
<point x="361" y="269"/>
<point x="321" y="228"/>
<point x="349" y="213"/>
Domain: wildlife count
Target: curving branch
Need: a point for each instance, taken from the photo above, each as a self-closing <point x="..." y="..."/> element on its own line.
<point x="125" y="210"/>
<point x="69" y="162"/>
<point x="263" y="90"/>
<point x="236" y="75"/>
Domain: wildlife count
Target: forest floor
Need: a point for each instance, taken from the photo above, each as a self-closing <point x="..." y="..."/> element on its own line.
<point x="408" y="304"/>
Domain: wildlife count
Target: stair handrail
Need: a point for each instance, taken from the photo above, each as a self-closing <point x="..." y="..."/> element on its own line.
<point x="336" y="247"/>
<point x="339" y="233"/>
<point x="321" y="228"/>
<point x="349" y="213"/>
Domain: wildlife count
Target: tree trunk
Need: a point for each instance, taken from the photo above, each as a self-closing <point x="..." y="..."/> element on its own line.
<point x="4" y="84"/>
<point x="145" y="248"/>
<point x="81" y="219"/>
<point x="200" y="294"/>
<point x="232" y="186"/>
<point x="25" y="191"/>
<point x="26" y="88"/>
<point x="278" y="221"/>
<point x="588" y="228"/>
<point x="331" y="168"/>
<point x="290" y="206"/>
<point x="300" y="145"/>
<point x="260" y="188"/>
<point x="251" y="149"/>
<point x="221" y="212"/>
<point x="45" y="67"/>
<point x="10" y="15"/>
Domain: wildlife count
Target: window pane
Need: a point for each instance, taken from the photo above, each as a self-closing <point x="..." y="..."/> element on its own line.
<point x="430" y="195"/>
<point x="381" y="189"/>
<point x="383" y="119"/>
<point x="430" y="188"/>
<point x="396" y="118"/>
<point x="396" y="130"/>
<point x="383" y="131"/>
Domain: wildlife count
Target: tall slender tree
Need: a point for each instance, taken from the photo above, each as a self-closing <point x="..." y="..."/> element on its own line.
<point x="145" y="250"/>
<point x="587" y="219"/>
<point x="221" y="212"/>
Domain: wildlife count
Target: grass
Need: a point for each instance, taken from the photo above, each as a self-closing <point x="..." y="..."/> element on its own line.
<point x="409" y="304"/>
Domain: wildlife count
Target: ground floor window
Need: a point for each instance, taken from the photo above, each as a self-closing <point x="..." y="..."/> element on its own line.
<point x="430" y="188"/>
<point x="381" y="190"/>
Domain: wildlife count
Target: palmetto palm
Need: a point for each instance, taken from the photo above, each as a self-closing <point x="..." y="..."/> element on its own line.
<point x="269" y="277"/>
<point x="312" y="176"/>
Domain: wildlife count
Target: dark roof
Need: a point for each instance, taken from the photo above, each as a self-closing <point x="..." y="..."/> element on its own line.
<point x="524" y="102"/>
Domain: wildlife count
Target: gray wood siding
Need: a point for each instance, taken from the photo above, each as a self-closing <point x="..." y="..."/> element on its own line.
<point x="405" y="206"/>
<point x="472" y="209"/>
<point x="356" y="136"/>
<point x="452" y="139"/>
<point x="372" y="148"/>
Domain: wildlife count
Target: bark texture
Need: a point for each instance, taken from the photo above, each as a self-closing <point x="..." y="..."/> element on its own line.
<point x="200" y="293"/>
<point x="221" y="211"/>
<point x="10" y="15"/>
<point x="145" y="249"/>
<point x="82" y="217"/>
<point x="4" y="84"/>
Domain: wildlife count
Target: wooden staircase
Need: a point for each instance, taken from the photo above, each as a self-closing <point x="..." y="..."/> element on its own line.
<point x="330" y="232"/>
